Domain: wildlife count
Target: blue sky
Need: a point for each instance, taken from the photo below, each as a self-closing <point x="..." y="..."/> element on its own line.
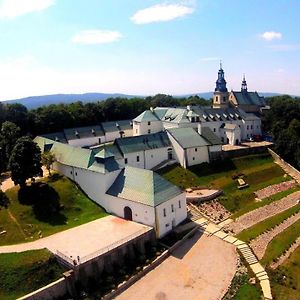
<point x="147" y="47"/>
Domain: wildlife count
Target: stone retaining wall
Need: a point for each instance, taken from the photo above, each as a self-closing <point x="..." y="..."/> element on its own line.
<point x="293" y="172"/>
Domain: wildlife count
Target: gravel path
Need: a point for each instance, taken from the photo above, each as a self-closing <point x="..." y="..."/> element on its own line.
<point x="253" y="217"/>
<point x="274" y="189"/>
<point x="260" y="244"/>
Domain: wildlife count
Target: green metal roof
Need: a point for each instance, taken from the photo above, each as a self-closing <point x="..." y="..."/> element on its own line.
<point x="208" y="134"/>
<point x="249" y="98"/>
<point x="142" y="142"/>
<point x="56" y="136"/>
<point x="77" y="157"/>
<point x="146" y="116"/>
<point x="143" y="186"/>
<point x="188" y="137"/>
<point x="116" y="125"/>
<point x="83" y="132"/>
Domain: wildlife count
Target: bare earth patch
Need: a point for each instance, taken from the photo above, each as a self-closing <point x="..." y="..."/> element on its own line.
<point x="259" y="245"/>
<point x="253" y="217"/>
<point x="202" y="268"/>
<point x="274" y="189"/>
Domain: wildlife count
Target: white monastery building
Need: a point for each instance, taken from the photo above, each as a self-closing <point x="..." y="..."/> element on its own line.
<point x="119" y="176"/>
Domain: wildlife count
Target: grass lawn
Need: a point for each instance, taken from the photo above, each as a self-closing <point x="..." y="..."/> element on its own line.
<point x="24" y="222"/>
<point x="254" y="205"/>
<point x="281" y="243"/>
<point x="259" y="171"/>
<point x="285" y="280"/>
<point x="251" y="233"/>
<point x="247" y="292"/>
<point x="22" y="273"/>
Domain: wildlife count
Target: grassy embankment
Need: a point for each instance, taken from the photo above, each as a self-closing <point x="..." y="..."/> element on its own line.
<point x="258" y="171"/>
<point x="22" y="273"/>
<point x="251" y="233"/>
<point x="285" y="280"/>
<point x="28" y="216"/>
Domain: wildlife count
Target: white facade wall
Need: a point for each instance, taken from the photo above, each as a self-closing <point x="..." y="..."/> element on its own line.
<point x="141" y="213"/>
<point x="90" y="141"/>
<point x="178" y="152"/>
<point x="215" y="148"/>
<point x="197" y="155"/>
<point x="111" y="136"/>
<point x="153" y="157"/>
<point x="94" y="184"/>
<point x="128" y="132"/>
<point x="168" y="219"/>
<point x="148" y="159"/>
<point x="141" y="128"/>
<point x="233" y="136"/>
<point x="135" y="159"/>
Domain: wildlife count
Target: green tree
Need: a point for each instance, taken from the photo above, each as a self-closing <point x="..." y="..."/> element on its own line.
<point x="9" y="134"/>
<point x="25" y="161"/>
<point x="48" y="158"/>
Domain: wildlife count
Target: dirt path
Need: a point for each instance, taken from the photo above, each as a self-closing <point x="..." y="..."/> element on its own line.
<point x="287" y="254"/>
<point x="260" y="244"/>
<point x="12" y="217"/>
<point x="202" y="268"/>
<point x="253" y="217"/>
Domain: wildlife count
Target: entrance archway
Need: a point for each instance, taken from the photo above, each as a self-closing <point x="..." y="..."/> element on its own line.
<point x="127" y="213"/>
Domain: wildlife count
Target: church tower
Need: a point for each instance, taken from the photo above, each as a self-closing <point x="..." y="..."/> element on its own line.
<point x="221" y="94"/>
<point x="244" y="87"/>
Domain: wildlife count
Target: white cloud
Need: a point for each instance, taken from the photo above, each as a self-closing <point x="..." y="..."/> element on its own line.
<point x="271" y="35"/>
<point x="92" y="37"/>
<point x="161" y="13"/>
<point x="10" y="9"/>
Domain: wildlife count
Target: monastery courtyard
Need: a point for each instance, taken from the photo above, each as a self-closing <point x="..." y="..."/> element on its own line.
<point x="201" y="268"/>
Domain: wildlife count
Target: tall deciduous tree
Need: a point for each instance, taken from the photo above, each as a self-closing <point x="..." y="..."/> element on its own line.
<point x="25" y="161"/>
<point x="48" y="158"/>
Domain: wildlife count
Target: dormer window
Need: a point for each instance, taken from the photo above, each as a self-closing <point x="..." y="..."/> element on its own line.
<point x="93" y="132"/>
<point x="117" y="124"/>
<point x="77" y="133"/>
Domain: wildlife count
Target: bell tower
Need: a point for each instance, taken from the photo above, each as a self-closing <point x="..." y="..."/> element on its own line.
<point x="221" y="95"/>
<point x="244" y="87"/>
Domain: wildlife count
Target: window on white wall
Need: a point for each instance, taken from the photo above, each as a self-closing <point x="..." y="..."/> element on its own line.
<point x="149" y="131"/>
<point x="137" y="158"/>
<point x="179" y="204"/>
<point x="165" y="213"/>
<point x="214" y="129"/>
<point x="196" y="149"/>
<point x="125" y="161"/>
<point x="172" y="207"/>
<point x="149" y="123"/>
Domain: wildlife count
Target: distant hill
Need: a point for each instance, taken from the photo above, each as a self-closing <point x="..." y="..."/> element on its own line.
<point x="37" y="101"/>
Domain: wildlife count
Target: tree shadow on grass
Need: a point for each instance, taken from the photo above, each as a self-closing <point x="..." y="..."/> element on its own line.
<point x="206" y="169"/>
<point x="44" y="201"/>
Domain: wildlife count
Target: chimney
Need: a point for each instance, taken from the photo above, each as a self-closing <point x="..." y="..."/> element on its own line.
<point x="200" y="129"/>
<point x="188" y="107"/>
<point x="151" y="109"/>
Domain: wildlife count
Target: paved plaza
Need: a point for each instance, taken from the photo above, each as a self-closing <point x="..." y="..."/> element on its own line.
<point x="201" y="268"/>
<point x="86" y="239"/>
